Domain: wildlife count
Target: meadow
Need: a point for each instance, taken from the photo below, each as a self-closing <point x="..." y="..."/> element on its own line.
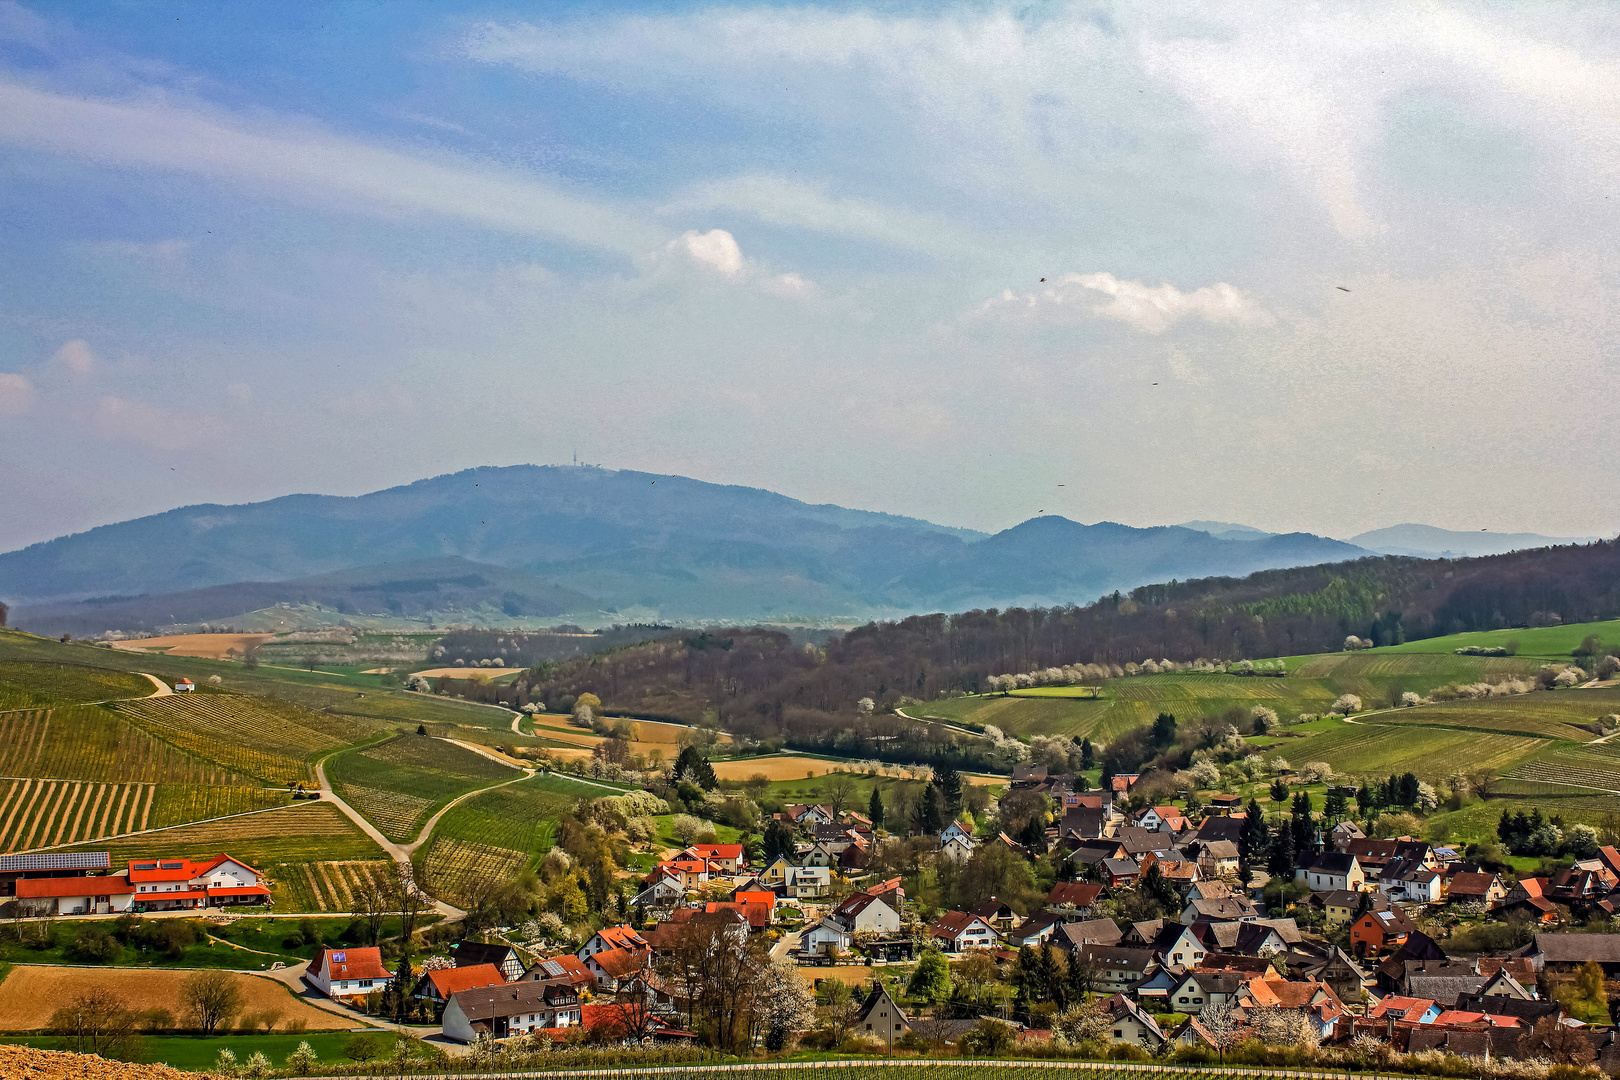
<point x="198" y="1053"/>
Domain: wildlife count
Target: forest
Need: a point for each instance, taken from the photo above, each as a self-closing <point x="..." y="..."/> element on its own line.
<point x="761" y="684"/>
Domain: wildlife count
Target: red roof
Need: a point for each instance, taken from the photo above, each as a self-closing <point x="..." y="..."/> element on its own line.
<point x="181" y="869"/>
<point x="44" y="887"/>
<point x="447" y="981"/>
<point x="758" y="915"/>
<point x="1078" y="893"/>
<point x="616" y="962"/>
<point x="622" y="936"/>
<point x="352" y="964"/>
<point x="767" y="898"/>
<point x="717" y="851"/>
<point x="566" y="966"/>
<point x="606" y="1017"/>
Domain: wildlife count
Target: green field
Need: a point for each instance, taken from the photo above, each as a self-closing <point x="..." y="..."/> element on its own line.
<point x="35" y="684"/>
<point x="197" y="1053"/>
<point x="398" y="784"/>
<point x="1552" y="642"/>
<point x="1562" y="714"/>
<point x="1431" y="752"/>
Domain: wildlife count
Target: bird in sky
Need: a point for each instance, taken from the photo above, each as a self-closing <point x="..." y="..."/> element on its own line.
<point x="1341" y="288"/>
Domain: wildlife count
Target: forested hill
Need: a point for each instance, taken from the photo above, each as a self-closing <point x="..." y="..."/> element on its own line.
<point x="760" y="683"/>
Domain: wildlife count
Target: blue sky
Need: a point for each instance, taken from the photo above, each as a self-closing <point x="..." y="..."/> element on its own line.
<point x="1306" y="267"/>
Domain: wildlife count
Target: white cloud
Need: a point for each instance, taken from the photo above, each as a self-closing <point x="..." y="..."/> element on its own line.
<point x="791" y="286"/>
<point x="16" y="394"/>
<point x="310" y="166"/>
<point x="716" y="249"/>
<point x="77" y="358"/>
<point x="1150" y="308"/>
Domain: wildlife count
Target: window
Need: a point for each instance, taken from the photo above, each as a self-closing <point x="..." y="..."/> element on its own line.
<point x="1118" y="1033"/>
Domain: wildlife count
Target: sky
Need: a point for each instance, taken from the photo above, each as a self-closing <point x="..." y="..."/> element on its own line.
<point x="1305" y="267"/>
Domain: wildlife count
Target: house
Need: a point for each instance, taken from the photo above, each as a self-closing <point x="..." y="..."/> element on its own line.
<point x="760" y="898"/>
<point x="958" y="849"/>
<point x="1068" y="896"/>
<point x="1340" y="906"/>
<point x="437" y="986"/>
<point x="185" y="686"/>
<point x="958" y="931"/>
<point x="1404" y="883"/>
<point x="179" y="884"/>
<point x="829" y="937"/>
<point x="665" y="892"/>
<point x="1092" y="853"/>
<point x="1068" y="936"/>
<point x="955" y="829"/>
<point x="107" y="894"/>
<point x="347" y="974"/>
<point x="800" y="814"/>
<point x="1198" y="990"/>
<point x="1225" y="804"/>
<point x="1028" y="775"/>
<point x="1214" y="858"/>
<point x="867" y="912"/>
<point x="1177" y="945"/>
<point x="808" y="882"/>
<point x="1407" y="1010"/>
<point x="725" y="858"/>
<point x="757" y="915"/>
<point x="1380" y="931"/>
<point x="1339" y="971"/>
<point x="1121" y="783"/>
<point x="620" y="1021"/>
<point x="1131" y="1024"/>
<point x="821" y="854"/>
<point x="1578" y="886"/>
<point x="1332" y="871"/>
<point x="1121" y="872"/>
<point x="1343" y="833"/>
<point x="1161" y="819"/>
<point x="1115" y="967"/>
<point x="1231" y="909"/>
<point x="997" y="914"/>
<point x="1315" y="1001"/>
<point x="14" y="868"/>
<point x="1035" y="930"/>
<point x="1528" y="900"/>
<point x="1208" y="890"/>
<point x="566" y="966"/>
<point x="1255" y="937"/>
<point x="1085" y="823"/>
<point x="881" y="1017"/>
<point x="474" y="953"/>
<point x="510" y="1009"/>
<point x="1563" y="953"/>
<point x="623" y="936"/>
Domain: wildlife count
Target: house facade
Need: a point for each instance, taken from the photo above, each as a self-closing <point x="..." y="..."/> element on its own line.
<point x="348" y="974"/>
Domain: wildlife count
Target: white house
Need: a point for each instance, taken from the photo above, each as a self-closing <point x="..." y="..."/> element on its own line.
<point x="346" y="974"/>
<point x="955" y="829"/>
<point x="958" y="931"/>
<point x="958" y="849"/>
<point x="1413" y="887"/>
<point x="808" y="882"/>
<point x="176" y="884"/>
<point x="1331" y="871"/>
<point x="828" y="934"/>
<point x="510" y="1009"/>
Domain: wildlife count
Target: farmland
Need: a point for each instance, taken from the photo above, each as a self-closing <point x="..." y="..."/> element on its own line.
<point x="209" y="646"/>
<point x="330" y="886"/>
<point x="397" y="784"/>
<point x="1375" y="749"/>
<point x="30" y="994"/>
<point x="453" y="868"/>
<point x="30" y="685"/>
<point x="97" y="743"/>
<point x="269" y="740"/>
<point x="1565" y="714"/>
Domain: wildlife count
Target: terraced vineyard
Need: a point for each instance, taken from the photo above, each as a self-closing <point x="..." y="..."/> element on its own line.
<point x="519" y="817"/>
<point x="1564" y="714"/>
<point x="33" y="684"/>
<point x="1434" y="668"/>
<point x="96" y="743"/>
<point x="40" y="813"/>
<point x="393" y="812"/>
<point x="1433" y="752"/>
<point x="270" y="740"/>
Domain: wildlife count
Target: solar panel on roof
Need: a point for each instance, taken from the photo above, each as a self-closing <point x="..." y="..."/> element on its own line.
<point x="553" y="967"/>
<point x="56" y="860"/>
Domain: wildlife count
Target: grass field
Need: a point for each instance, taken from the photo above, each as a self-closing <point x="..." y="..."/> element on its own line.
<point x="32" y="993"/>
<point x="397" y="784"/>
<point x="1562" y="714"/>
<point x="1541" y="641"/>
<point x="32" y="684"/>
<point x="270" y="740"/>
<point x="1433" y="752"/>
<point x="199" y="1053"/>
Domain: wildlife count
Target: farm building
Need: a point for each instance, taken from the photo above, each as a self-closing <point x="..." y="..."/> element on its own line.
<point x="185" y="686"/>
<point x="179" y="884"/>
<point x="346" y="974"/>
<point x="49" y="864"/>
<point x="107" y="895"/>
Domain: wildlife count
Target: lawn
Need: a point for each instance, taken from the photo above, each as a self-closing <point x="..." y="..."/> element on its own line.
<point x="198" y="1053"/>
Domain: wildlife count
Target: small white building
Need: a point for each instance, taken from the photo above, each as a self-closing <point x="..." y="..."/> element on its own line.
<point x="518" y="1008"/>
<point x="347" y="974"/>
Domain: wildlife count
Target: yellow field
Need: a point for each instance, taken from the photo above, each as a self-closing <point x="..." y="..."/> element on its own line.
<point x="206" y="646"/>
<point x="32" y="992"/>
<point x="490" y="673"/>
<point x="798" y="768"/>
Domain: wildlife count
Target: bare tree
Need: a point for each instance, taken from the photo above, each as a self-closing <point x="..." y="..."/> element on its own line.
<point x="370" y="901"/>
<point x="407" y="897"/>
<point x="840" y="789"/>
<point x="1221" y="1027"/>
<point x="210" y="999"/>
<point x="97" y="1021"/>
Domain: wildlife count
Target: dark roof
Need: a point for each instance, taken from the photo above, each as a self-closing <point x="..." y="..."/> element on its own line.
<point x="879" y="996"/>
<point x="56" y="860"/>
<point x="1078" y="893"/>
<point x="509" y="999"/>
<point x="1331" y="862"/>
<point x="1117" y="956"/>
<point x="1508" y="1006"/>
<point x="469" y="953"/>
<point x="1090" y="932"/>
<point x="1579" y="948"/>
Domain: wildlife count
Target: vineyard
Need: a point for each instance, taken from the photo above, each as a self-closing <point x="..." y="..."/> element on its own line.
<point x="453" y="867"/>
<point x="29" y="685"/>
<point x="41" y="813"/>
<point x="95" y="743"/>
<point x="1433" y="752"/>
<point x="518" y="817"/>
<point x="684" y="1064"/>
<point x="386" y="781"/>
<point x="330" y="886"/>
<point x="263" y="738"/>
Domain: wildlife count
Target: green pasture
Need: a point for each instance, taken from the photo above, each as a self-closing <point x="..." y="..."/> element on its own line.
<point x="1552" y="642"/>
<point x="1558" y="714"/>
<point x="198" y="1053"/>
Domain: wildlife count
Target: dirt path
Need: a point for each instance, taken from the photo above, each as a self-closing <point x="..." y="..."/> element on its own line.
<point x="517" y="718"/>
<point x="163" y="689"/>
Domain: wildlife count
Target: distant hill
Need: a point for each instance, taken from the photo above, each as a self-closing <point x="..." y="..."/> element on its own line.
<point x="1428" y="542"/>
<point x="595" y="546"/>
<point x="402" y="590"/>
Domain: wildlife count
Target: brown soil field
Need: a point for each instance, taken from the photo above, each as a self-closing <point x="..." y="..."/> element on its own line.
<point x="32" y="992"/>
<point x="206" y="646"/>
<point x="31" y="1064"/>
<point x="494" y="673"/>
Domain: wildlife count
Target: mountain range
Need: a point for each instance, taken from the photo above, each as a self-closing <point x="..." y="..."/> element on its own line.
<point x="501" y="545"/>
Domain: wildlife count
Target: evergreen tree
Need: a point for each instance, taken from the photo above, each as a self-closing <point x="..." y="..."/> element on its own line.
<point x="1033" y="836"/>
<point x="1281" y="862"/>
<point x="1279" y="790"/>
<point x="930" y="812"/>
<point x="779" y="840"/>
<point x="691" y="765"/>
<point x="1164" y="730"/>
<point x="874" y="809"/>
<point x="1088" y="755"/>
<point x="1046" y="973"/>
<point x="949" y="783"/>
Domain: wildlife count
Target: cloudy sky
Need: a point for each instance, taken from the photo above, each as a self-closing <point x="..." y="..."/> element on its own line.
<point x="1306" y="267"/>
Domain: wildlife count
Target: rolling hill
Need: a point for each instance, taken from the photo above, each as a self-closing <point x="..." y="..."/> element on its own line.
<point x="596" y="546"/>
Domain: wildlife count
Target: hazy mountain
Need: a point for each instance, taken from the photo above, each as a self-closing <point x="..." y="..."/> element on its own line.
<point x="1428" y="542"/>
<point x="601" y="545"/>
<point x="1227" y="530"/>
<point x="406" y="589"/>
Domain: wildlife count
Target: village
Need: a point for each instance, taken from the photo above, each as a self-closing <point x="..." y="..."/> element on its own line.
<point x="816" y="941"/>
